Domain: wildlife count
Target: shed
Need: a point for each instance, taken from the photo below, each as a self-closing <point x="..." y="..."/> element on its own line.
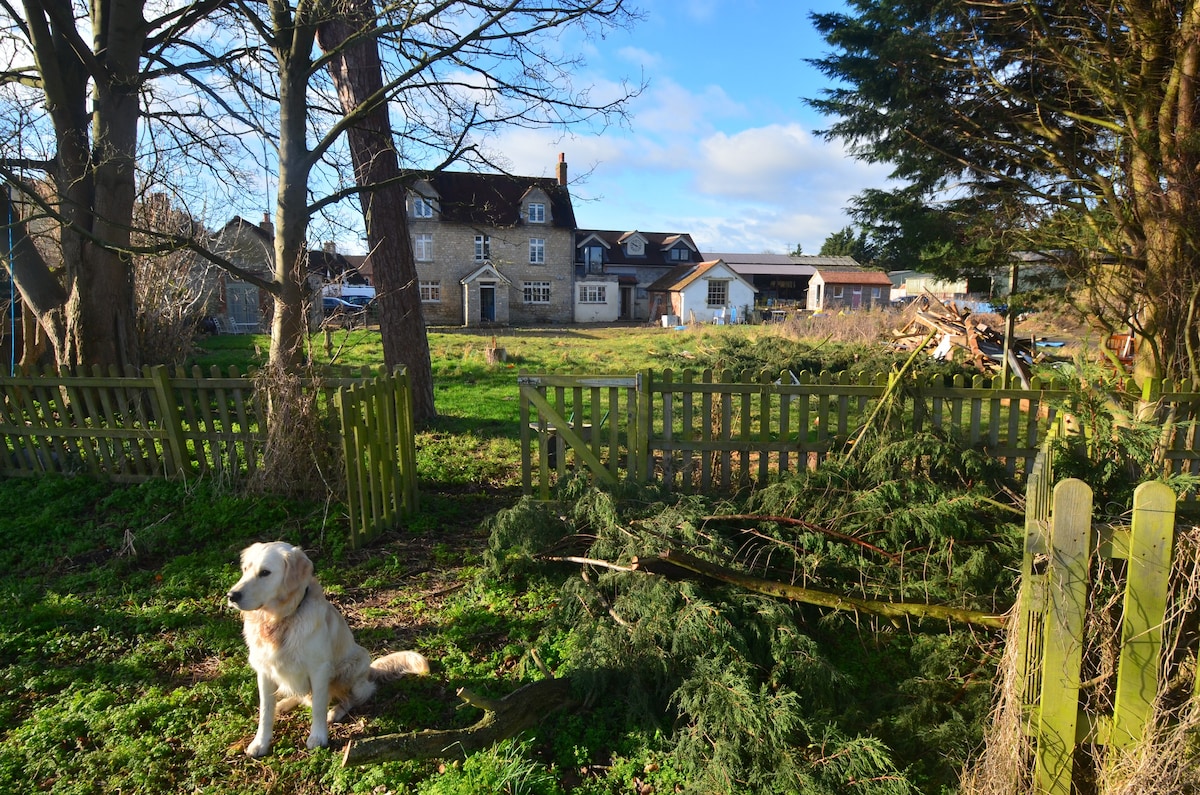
<point x="848" y="288"/>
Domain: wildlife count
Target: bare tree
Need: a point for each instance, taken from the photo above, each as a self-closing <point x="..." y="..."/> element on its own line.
<point x="238" y="87"/>
<point x="69" y="153"/>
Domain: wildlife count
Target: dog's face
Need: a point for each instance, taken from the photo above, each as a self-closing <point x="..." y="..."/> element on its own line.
<point x="274" y="577"/>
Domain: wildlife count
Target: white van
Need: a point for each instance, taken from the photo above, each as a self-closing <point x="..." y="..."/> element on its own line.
<point x="359" y="294"/>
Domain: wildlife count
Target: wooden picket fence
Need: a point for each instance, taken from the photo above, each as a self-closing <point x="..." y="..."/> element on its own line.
<point x="716" y="430"/>
<point x="1062" y="547"/>
<point x="133" y="426"/>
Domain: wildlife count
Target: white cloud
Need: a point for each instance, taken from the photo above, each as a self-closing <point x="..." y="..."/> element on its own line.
<point x="758" y="162"/>
<point x="669" y="108"/>
<point x="640" y="57"/>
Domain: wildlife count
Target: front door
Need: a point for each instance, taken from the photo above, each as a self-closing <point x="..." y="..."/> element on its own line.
<point x="626" y="309"/>
<point x="487" y="303"/>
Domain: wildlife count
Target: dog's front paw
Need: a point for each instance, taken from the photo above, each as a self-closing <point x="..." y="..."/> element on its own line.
<point x="317" y="739"/>
<point x="258" y="748"/>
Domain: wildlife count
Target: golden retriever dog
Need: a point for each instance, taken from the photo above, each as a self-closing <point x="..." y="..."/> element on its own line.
<point x="300" y="645"/>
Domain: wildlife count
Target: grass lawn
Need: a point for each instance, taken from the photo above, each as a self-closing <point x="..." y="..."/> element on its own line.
<point x="123" y="671"/>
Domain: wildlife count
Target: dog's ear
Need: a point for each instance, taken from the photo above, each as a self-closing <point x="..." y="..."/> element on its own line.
<point x="297" y="570"/>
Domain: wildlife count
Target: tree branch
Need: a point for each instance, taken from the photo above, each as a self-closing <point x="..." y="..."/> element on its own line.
<point x="507" y="717"/>
<point x="676" y="561"/>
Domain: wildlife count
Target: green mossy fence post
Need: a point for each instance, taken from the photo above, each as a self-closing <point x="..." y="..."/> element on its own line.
<point x="1067" y="597"/>
<point x="1152" y="535"/>
<point x="640" y="439"/>
<point x="170" y="422"/>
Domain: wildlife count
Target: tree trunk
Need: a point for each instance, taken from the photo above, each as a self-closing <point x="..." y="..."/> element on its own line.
<point x="356" y="71"/>
<point x="88" y="316"/>
<point x="289" y="327"/>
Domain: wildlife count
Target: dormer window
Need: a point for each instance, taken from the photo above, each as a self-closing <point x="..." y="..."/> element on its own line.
<point x="537" y="213"/>
<point x="593" y="255"/>
<point x="422" y="207"/>
<point x="680" y="254"/>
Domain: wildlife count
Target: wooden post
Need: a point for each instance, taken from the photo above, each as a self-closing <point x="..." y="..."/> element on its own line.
<point x="1067" y="595"/>
<point x="168" y="414"/>
<point x="1151" y="537"/>
<point x="1010" y="322"/>
<point x="641" y="438"/>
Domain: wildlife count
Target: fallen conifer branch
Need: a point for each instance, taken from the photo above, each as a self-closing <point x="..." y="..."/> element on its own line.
<point x="788" y="520"/>
<point x="674" y="561"/>
<point x="503" y="718"/>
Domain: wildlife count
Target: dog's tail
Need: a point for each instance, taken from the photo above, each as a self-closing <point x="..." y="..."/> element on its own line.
<point x="397" y="664"/>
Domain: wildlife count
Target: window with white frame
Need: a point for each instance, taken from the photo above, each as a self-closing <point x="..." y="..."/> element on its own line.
<point x="875" y="293"/>
<point x="537" y="251"/>
<point x="483" y="247"/>
<point x="422" y="207"/>
<point x="838" y="291"/>
<point x="431" y="292"/>
<point x="537" y="213"/>
<point x="718" y="292"/>
<point x="536" y="292"/>
<point x="593" y="294"/>
<point x="423" y="247"/>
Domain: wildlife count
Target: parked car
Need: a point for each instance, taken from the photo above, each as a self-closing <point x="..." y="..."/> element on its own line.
<point x="341" y="312"/>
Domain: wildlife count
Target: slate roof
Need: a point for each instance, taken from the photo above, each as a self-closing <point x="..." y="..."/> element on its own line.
<point x="679" y="277"/>
<point x="332" y="266"/>
<point x="495" y="199"/>
<point x="657" y="244"/>
<point x="781" y="264"/>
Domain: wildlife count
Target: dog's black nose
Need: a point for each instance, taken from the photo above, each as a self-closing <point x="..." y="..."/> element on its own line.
<point x="235" y="596"/>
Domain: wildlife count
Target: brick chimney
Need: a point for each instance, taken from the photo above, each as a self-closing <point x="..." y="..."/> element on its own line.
<point x="562" y="169"/>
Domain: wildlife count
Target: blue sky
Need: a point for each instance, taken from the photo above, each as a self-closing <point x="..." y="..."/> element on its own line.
<point x="721" y="144"/>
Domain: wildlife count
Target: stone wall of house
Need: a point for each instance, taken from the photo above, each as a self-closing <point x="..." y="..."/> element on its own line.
<point x="454" y="258"/>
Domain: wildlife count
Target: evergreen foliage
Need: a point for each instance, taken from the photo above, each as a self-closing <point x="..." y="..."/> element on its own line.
<point x="815" y="354"/>
<point x="1109" y="446"/>
<point x="749" y="693"/>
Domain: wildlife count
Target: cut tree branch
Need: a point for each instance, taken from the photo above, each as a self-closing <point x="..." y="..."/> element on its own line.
<point x="671" y="562"/>
<point x="507" y="717"/>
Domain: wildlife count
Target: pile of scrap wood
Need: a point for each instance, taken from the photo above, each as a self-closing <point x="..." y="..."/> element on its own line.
<point x="946" y="331"/>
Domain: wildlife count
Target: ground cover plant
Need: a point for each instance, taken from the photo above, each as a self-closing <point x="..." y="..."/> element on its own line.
<point x="121" y="670"/>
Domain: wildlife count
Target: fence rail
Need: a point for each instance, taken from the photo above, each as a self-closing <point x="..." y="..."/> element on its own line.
<point x="714" y="430"/>
<point x="133" y="426"/>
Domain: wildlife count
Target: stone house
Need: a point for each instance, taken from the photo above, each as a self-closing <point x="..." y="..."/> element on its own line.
<point x="493" y="248"/>
<point x="239" y="306"/>
<point x="614" y="271"/>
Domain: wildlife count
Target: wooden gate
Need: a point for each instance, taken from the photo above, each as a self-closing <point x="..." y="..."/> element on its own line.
<point x="1061" y="550"/>
<point x="578" y="417"/>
